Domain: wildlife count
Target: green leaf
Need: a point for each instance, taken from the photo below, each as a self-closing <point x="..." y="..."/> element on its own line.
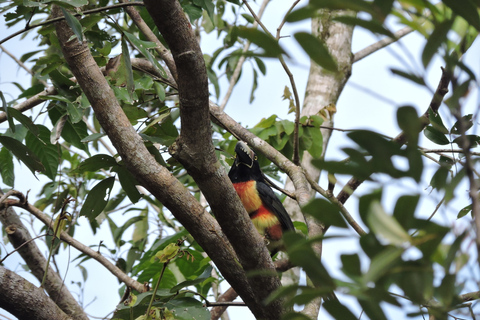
<point x="97" y="162"/>
<point x="338" y="310"/>
<point x="74" y="113"/>
<point x="48" y="153"/>
<point x="467" y="9"/>
<point x="409" y="76"/>
<point x="385" y="225"/>
<point x="261" y="65"/>
<point x="371" y="25"/>
<point x="208" y="6"/>
<point x="72" y="132"/>
<point x="93" y="137"/>
<point x="74" y="24"/>
<point x="207" y="273"/>
<point x="143" y="47"/>
<point x="466" y="210"/>
<point x="23" y="119"/>
<point x="435" y="40"/>
<point x="254" y="86"/>
<point x="301" y="254"/>
<point x="410" y="124"/>
<point x="193" y="12"/>
<point x="267" y="122"/>
<point x="351" y="265"/>
<point x="7" y="168"/>
<point x="325" y="212"/>
<point x="382" y="263"/>
<point x="436" y="121"/>
<point x="435" y="136"/>
<point x="140" y="230"/>
<point x="462" y="125"/>
<point x="22" y="153"/>
<point x="160" y="90"/>
<point x="129" y="183"/>
<point x="187" y="309"/>
<point x="128" y="68"/>
<point x="117" y="235"/>
<point x="269" y="44"/>
<point x="97" y="199"/>
<point x="11" y="125"/>
<point x="405" y="210"/>
<point x="316" y="50"/>
<point x="74" y="3"/>
<point x="316" y="148"/>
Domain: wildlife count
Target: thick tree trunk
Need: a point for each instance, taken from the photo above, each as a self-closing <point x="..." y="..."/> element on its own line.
<point x="21" y="240"/>
<point x="25" y="301"/>
<point x="321" y="95"/>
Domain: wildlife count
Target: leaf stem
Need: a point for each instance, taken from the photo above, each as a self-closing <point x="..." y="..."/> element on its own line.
<point x="156" y="287"/>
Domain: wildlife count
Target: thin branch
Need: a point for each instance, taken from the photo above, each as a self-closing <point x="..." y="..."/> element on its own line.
<point x="296" y="156"/>
<point x="23" y="243"/>
<point x="92" y="130"/>
<point x="381" y="44"/>
<point x="9" y="231"/>
<point x="241" y="60"/>
<point x="279" y="29"/>
<point x="348" y="217"/>
<point x="160" y="48"/>
<point x="22" y="203"/>
<point x="224" y="304"/>
<point x="21" y="64"/>
<point x="401" y="139"/>
<point x="50" y="21"/>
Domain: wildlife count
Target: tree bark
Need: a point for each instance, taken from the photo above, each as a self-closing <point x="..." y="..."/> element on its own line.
<point x="155" y="178"/>
<point x="25" y="301"/>
<point x="195" y="150"/>
<point x="21" y="240"/>
<point x="322" y="92"/>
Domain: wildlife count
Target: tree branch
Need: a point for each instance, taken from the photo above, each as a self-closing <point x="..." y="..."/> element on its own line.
<point x="148" y="33"/>
<point x="195" y="150"/>
<point x="155" y="178"/>
<point x="401" y="139"/>
<point x="365" y="52"/>
<point x="23" y="299"/>
<point x="79" y="14"/>
<point x="22" y="240"/>
<point x="241" y="60"/>
<point x="23" y="203"/>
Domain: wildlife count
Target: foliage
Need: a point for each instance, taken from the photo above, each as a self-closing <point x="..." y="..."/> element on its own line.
<point x="405" y="258"/>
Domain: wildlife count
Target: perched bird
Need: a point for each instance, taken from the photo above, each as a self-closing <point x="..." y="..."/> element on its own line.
<point x="266" y="211"/>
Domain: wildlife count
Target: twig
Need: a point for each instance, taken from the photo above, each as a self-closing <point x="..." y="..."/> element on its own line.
<point x="296" y="156"/>
<point x="401" y="139"/>
<point x="19" y="247"/>
<point x="160" y="48"/>
<point x="21" y="64"/>
<point x="279" y="29"/>
<point x="92" y="129"/>
<point x="348" y="217"/>
<point x="224" y="304"/>
<point x="74" y="243"/>
<point x="241" y="60"/>
<point x="381" y="44"/>
<point x="96" y="10"/>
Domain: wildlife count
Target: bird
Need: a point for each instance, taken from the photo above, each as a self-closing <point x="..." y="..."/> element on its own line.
<point x="264" y="208"/>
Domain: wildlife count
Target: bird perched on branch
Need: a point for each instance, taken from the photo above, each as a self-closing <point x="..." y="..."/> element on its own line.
<point x="266" y="211"/>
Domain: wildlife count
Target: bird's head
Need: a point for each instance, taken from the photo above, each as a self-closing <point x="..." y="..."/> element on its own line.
<point x="244" y="155"/>
<point x="245" y="165"/>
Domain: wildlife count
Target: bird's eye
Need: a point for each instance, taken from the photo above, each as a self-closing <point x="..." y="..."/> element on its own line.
<point x="255" y="158"/>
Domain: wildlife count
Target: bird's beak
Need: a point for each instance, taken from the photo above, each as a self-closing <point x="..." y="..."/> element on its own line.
<point x="244" y="155"/>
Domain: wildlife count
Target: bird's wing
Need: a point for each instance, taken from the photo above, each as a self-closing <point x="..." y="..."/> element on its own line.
<point x="271" y="201"/>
